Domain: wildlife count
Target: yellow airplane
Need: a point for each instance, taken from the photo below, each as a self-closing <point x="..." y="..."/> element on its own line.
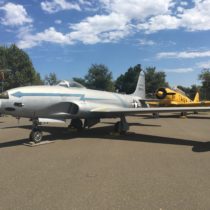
<point x="176" y="97"/>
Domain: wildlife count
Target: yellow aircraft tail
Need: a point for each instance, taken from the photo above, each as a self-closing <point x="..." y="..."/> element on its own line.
<point x="197" y="98"/>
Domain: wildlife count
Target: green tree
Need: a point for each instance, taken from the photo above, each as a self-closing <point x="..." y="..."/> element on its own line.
<point x="205" y="80"/>
<point x="3" y="60"/>
<point x="99" y="77"/>
<point x="22" y="71"/>
<point x="51" y="79"/>
<point x="80" y="80"/>
<point x="154" y="80"/>
<point x="126" y="83"/>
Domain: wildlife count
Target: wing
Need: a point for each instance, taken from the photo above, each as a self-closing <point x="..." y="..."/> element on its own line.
<point x="127" y="111"/>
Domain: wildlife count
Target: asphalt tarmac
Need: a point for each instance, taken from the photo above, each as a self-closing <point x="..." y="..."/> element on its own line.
<point x="161" y="163"/>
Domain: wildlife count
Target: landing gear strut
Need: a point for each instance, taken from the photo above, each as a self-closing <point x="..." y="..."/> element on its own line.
<point x="77" y="124"/>
<point x="36" y="134"/>
<point x="121" y="126"/>
<point x="183" y="114"/>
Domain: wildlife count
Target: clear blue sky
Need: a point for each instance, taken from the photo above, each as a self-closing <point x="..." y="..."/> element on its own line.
<point x="67" y="36"/>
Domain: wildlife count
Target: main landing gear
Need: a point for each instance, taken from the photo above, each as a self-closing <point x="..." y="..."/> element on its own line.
<point x="121" y="126"/>
<point x="76" y="124"/>
<point x="36" y="134"/>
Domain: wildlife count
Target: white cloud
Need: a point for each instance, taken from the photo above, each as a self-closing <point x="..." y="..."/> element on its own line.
<point x="90" y="31"/>
<point x="58" y="21"/>
<point x="197" y="18"/>
<point x="58" y="5"/>
<point x="193" y="19"/>
<point x="117" y="24"/>
<point x="160" y="22"/>
<point x="24" y="30"/>
<point x="135" y="9"/>
<point x="100" y="28"/>
<point x="183" y="3"/>
<point x="15" y="15"/>
<point x="184" y="54"/>
<point x="85" y="2"/>
<point x="146" y="42"/>
<point x="203" y="65"/>
<point x="117" y="19"/>
<point x="49" y="35"/>
<point x="179" y="70"/>
<point x="180" y="9"/>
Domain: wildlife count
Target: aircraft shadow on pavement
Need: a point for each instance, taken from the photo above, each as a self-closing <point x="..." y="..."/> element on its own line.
<point x="199" y="117"/>
<point x="61" y="133"/>
<point x="134" y="124"/>
<point x="150" y="116"/>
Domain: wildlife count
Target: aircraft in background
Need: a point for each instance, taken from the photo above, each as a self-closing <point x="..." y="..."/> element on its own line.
<point x="169" y="97"/>
<point x="85" y="107"/>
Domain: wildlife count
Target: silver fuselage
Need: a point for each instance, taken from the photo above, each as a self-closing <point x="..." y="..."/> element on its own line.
<point x="62" y="102"/>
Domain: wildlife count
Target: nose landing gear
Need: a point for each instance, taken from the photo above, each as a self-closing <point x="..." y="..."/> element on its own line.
<point x="36" y="134"/>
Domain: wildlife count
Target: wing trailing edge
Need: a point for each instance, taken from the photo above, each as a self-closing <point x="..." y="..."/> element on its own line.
<point x="127" y="111"/>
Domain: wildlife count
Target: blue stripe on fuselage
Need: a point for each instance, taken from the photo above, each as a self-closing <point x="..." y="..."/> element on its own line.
<point x="81" y="96"/>
<point x="20" y="94"/>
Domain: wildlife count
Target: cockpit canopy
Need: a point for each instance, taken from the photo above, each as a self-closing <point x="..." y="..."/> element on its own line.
<point x="179" y="91"/>
<point x="70" y="84"/>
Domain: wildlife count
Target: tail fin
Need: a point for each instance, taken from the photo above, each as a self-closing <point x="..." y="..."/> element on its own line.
<point x="197" y="97"/>
<point x="140" y="87"/>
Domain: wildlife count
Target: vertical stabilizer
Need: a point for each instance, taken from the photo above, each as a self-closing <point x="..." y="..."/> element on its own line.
<point x="197" y="98"/>
<point x="140" y="88"/>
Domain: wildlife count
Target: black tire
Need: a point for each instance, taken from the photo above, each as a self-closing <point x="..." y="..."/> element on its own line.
<point x="118" y="128"/>
<point x="76" y="123"/>
<point x="36" y="136"/>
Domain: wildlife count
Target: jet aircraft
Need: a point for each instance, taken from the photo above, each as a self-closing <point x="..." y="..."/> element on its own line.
<point x="85" y="107"/>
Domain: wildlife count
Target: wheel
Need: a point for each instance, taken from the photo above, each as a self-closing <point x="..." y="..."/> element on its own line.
<point x="155" y="115"/>
<point x="121" y="127"/>
<point x="36" y="136"/>
<point x="183" y="114"/>
<point x="76" y="123"/>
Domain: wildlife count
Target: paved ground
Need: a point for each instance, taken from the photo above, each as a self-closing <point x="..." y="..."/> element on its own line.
<point x="162" y="164"/>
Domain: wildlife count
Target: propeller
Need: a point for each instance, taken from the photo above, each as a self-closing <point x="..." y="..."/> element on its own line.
<point x="161" y="93"/>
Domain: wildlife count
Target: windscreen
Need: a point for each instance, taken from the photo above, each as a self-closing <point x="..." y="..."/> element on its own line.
<point x="70" y="84"/>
